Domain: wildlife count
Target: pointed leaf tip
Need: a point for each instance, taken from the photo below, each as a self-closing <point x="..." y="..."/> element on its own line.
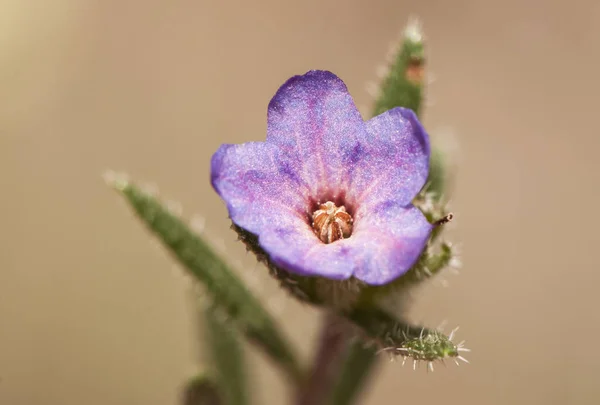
<point x="118" y="181"/>
<point x="414" y="30"/>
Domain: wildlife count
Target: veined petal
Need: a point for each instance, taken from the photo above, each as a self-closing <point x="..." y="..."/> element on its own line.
<point x="258" y="186"/>
<point x="389" y="240"/>
<point x="295" y="248"/>
<point x="395" y="160"/>
<point x="314" y="120"/>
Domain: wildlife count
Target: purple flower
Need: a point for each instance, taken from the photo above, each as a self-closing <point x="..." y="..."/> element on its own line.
<point x="328" y="194"/>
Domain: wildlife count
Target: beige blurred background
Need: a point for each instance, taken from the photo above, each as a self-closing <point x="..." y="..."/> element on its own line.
<point x="93" y="311"/>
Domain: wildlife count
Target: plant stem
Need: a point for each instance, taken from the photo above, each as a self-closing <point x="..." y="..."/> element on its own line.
<point x="333" y="342"/>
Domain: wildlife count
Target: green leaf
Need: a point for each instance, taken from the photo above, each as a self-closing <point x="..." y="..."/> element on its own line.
<point x="201" y="390"/>
<point x="403" y="84"/>
<point x="227" y="358"/>
<point x="359" y="362"/>
<point x="224" y="287"/>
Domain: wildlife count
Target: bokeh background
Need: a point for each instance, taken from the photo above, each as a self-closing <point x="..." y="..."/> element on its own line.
<point x="94" y="311"/>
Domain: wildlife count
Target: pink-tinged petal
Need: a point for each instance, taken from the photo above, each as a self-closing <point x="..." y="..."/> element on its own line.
<point x="389" y="240"/>
<point x="394" y="163"/>
<point x="293" y="246"/>
<point x="383" y="246"/>
<point x="258" y="186"/>
<point x="314" y="120"/>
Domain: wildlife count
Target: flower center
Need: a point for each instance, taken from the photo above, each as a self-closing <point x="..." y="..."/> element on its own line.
<point x="331" y="222"/>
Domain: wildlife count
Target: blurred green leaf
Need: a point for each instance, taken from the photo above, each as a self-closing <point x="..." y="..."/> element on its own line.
<point x="224" y="287"/>
<point x="436" y="182"/>
<point x="335" y="336"/>
<point x="201" y="390"/>
<point x="227" y="358"/>
<point x="359" y="363"/>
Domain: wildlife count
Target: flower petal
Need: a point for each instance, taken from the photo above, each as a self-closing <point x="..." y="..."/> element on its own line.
<point x="294" y="247"/>
<point x="394" y="162"/>
<point x="389" y="240"/>
<point x="384" y="246"/>
<point x="314" y="120"/>
<point x="258" y="186"/>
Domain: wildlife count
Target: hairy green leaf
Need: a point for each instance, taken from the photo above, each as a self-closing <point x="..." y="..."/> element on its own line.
<point x="224" y="287"/>
<point x="403" y="84"/>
